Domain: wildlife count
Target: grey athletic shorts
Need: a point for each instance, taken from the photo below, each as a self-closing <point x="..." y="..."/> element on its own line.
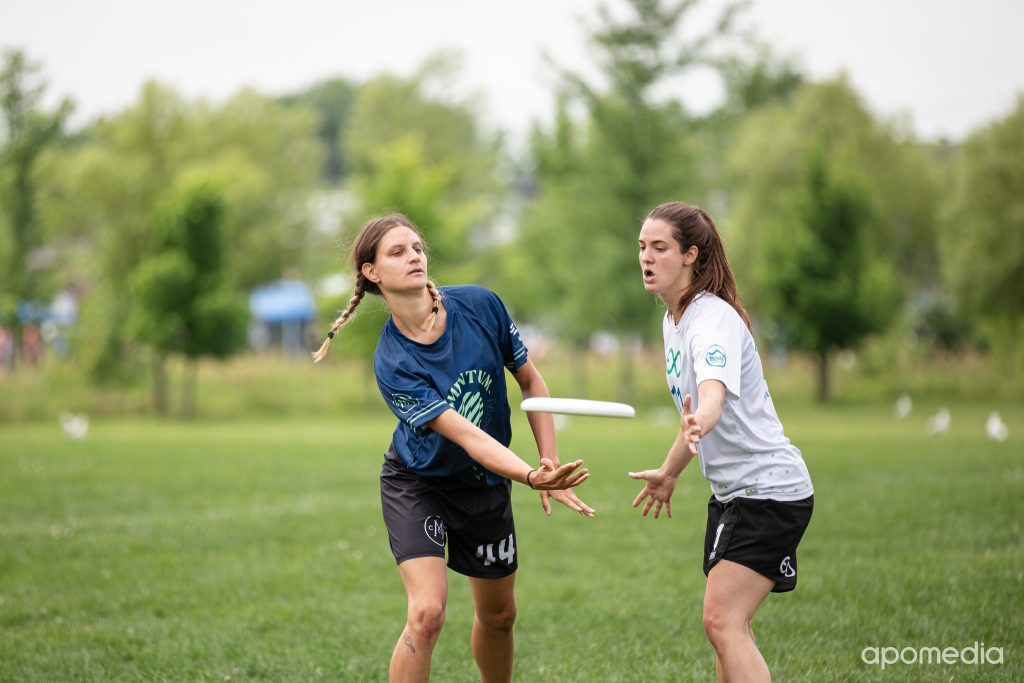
<point x="423" y="515"/>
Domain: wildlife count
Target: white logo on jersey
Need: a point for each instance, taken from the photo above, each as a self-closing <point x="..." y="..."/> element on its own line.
<point x="787" y="569"/>
<point x="403" y="402"/>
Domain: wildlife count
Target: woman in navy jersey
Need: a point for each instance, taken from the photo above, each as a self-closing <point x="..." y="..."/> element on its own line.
<point x="761" y="494"/>
<point x="447" y="475"/>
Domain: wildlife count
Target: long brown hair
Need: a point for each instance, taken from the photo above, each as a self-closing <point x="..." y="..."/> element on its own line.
<point x="691" y="226"/>
<point x="364" y="250"/>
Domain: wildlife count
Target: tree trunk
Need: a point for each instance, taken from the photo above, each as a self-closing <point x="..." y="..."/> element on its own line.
<point x="189" y="380"/>
<point x="160" y="385"/>
<point x="824" y="388"/>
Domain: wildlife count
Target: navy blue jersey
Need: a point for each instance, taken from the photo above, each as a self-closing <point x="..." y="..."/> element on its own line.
<point x="463" y="370"/>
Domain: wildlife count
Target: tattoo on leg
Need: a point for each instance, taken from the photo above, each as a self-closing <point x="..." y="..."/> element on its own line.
<point x="408" y="644"/>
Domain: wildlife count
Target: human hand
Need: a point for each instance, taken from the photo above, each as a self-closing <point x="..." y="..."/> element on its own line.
<point x="657" y="491"/>
<point x="567" y="498"/>
<point x="547" y="477"/>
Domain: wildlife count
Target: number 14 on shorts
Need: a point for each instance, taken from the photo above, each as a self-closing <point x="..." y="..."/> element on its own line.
<point x="506" y="551"/>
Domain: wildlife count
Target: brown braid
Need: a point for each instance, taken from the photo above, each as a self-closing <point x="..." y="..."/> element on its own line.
<point x="345" y="316"/>
<point x="436" y="296"/>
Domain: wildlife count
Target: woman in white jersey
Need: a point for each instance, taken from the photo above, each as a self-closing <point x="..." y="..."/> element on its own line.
<point x="761" y="494"/>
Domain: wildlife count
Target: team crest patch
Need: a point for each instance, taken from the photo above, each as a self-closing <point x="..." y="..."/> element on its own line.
<point x="435" y="529"/>
<point x="715" y="357"/>
<point x="403" y="402"/>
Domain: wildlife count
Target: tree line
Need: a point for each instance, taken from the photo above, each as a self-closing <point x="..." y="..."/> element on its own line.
<point x="839" y="224"/>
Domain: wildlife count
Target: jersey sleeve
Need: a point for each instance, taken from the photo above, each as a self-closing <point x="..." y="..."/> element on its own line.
<point x="410" y="395"/>
<point x="513" y="350"/>
<point x="716" y="347"/>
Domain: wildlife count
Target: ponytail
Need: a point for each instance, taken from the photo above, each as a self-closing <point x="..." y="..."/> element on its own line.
<point x="343" y="318"/>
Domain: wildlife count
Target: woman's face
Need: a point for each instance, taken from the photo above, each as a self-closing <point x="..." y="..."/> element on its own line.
<point x="663" y="266"/>
<point x="401" y="263"/>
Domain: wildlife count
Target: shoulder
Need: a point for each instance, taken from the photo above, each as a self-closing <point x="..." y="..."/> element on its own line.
<point x="710" y="313"/>
<point x="468" y="293"/>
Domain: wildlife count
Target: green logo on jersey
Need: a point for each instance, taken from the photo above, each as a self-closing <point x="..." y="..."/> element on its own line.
<point x="673" y="362"/>
<point x="466" y="395"/>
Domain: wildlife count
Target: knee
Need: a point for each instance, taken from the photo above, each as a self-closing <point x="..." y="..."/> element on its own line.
<point x="500" y="620"/>
<point x="426" y="620"/>
<point x="721" y="627"/>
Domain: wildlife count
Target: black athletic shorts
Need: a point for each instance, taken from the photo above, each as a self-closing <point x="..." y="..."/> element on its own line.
<point x="761" y="534"/>
<point x="423" y="514"/>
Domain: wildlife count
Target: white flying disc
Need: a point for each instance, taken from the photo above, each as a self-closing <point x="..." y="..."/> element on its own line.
<point x="577" y="406"/>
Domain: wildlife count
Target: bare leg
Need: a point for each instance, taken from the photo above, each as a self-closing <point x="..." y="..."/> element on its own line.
<point x="495" y="613"/>
<point x="733" y="594"/>
<point x="426" y="586"/>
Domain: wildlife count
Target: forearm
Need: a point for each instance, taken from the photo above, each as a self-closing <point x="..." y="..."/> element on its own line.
<point x="679" y="456"/>
<point x="481" y="446"/>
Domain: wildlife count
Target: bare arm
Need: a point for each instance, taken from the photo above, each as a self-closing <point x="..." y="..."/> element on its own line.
<point x="543" y="426"/>
<point x="486" y="450"/>
<point x="661" y="483"/>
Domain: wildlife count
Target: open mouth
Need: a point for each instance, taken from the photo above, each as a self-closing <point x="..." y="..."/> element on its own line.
<point x="648" y="274"/>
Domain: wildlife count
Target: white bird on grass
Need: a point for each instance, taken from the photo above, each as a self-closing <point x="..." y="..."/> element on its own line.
<point x="75" y="425"/>
<point x="939" y="422"/>
<point x="996" y="428"/>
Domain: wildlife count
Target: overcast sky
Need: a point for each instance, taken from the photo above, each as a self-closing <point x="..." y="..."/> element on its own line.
<point x="946" y="66"/>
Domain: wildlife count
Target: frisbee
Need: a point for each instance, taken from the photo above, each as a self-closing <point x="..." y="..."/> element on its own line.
<point x="577" y="406"/>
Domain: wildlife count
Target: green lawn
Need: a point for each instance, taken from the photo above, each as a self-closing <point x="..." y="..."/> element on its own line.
<point x="247" y="550"/>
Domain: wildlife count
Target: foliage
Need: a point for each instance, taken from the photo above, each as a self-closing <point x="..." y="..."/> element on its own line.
<point x="412" y="148"/>
<point x="262" y="156"/>
<point x="180" y="300"/>
<point x="333" y="99"/>
<point x="598" y="176"/>
<point x="26" y="131"/>
<point x="982" y="239"/>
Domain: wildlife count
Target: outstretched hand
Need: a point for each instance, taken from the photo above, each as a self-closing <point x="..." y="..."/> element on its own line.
<point x="657" y="491"/>
<point x="567" y="498"/>
<point x="547" y="477"/>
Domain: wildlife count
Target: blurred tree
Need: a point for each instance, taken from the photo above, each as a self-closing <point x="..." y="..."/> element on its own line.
<point x="181" y="303"/>
<point x="982" y="235"/>
<point x="412" y="148"/>
<point x="263" y="157"/>
<point x="598" y="174"/>
<point x="333" y="99"/>
<point x="824" y="285"/>
<point x="820" y="241"/>
<point x="27" y="130"/>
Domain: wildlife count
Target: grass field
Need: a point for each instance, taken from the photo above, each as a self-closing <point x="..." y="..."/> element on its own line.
<point x="254" y="550"/>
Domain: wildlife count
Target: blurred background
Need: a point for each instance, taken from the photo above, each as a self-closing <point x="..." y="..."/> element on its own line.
<point x="179" y="183"/>
<point x="184" y="495"/>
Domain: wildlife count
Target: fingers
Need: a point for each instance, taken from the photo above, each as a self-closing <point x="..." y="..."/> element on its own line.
<point x="640" y="497"/>
<point x="687" y="402"/>
<point x="545" y="502"/>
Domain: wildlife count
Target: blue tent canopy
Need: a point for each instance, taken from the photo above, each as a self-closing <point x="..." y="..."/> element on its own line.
<point x="283" y="301"/>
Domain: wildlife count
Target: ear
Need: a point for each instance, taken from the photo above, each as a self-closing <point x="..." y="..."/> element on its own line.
<point x="369" y="273"/>
<point x="690" y="255"/>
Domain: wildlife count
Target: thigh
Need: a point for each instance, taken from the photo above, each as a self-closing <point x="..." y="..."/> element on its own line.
<point x="426" y="581"/>
<point x="734" y="592"/>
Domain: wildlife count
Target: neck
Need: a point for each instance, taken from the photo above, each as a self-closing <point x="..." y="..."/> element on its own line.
<point x="673" y="294"/>
<point x="412" y="312"/>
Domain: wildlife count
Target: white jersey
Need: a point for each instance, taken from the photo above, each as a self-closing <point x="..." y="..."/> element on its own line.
<point x="746" y="454"/>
